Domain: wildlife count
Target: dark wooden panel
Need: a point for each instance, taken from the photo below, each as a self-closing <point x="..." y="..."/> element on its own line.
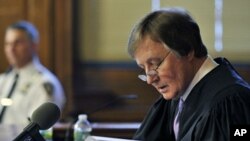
<point x="10" y="11"/>
<point x="112" y="95"/>
<point x="63" y="45"/>
<point x="41" y="14"/>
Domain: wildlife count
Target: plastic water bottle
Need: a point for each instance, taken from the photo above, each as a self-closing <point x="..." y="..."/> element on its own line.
<point x="47" y="134"/>
<point x="82" y="128"/>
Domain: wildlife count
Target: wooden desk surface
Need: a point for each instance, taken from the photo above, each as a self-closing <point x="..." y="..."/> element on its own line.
<point x="126" y="130"/>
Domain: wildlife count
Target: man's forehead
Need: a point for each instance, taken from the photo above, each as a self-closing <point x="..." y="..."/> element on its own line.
<point x="16" y="34"/>
<point x="149" y="54"/>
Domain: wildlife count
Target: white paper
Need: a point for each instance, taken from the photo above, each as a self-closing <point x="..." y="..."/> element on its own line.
<point x="99" y="138"/>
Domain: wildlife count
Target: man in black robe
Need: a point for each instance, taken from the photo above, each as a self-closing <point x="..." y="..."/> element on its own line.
<point x="202" y="98"/>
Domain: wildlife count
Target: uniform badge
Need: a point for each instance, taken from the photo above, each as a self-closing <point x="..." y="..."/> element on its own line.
<point x="49" y="88"/>
<point x="24" y="88"/>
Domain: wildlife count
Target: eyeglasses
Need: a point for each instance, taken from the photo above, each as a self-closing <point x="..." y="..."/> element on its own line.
<point x="143" y="75"/>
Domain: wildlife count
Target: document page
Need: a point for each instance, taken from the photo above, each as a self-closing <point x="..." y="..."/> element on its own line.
<point x="99" y="138"/>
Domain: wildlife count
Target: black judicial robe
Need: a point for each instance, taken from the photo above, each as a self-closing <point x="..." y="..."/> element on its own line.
<point x="219" y="100"/>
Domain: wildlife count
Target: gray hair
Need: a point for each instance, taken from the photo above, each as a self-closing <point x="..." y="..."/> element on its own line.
<point x="171" y="26"/>
<point x="27" y="27"/>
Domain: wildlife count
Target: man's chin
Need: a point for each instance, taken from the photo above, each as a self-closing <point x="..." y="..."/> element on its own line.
<point x="169" y="96"/>
<point x="166" y="96"/>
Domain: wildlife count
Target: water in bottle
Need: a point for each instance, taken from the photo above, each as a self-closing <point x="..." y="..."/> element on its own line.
<point x="82" y="128"/>
<point x="47" y="134"/>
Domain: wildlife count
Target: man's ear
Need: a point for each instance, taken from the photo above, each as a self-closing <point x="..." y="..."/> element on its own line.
<point x="34" y="47"/>
<point x="190" y="55"/>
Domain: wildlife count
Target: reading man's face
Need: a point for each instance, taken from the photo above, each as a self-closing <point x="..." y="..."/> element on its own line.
<point x="174" y="73"/>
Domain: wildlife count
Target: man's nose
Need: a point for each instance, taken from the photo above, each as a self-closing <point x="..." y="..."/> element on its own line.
<point x="151" y="77"/>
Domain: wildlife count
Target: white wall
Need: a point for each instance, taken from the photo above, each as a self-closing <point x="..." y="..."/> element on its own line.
<point x="105" y="26"/>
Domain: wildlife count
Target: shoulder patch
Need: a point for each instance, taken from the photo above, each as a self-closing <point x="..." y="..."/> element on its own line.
<point x="49" y="88"/>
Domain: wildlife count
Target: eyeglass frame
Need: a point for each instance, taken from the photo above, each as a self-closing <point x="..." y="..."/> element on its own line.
<point x="143" y="75"/>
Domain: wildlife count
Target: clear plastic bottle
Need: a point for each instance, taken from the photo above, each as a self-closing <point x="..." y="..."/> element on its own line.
<point x="47" y="134"/>
<point x="82" y="128"/>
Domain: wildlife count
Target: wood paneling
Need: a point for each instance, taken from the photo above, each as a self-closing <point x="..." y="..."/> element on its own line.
<point x="114" y="95"/>
<point x="10" y="11"/>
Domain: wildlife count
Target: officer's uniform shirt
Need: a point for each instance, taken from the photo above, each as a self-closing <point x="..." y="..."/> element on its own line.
<point x="35" y="85"/>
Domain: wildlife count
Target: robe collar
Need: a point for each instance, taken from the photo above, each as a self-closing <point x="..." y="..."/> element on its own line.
<point x="208" y="65"/>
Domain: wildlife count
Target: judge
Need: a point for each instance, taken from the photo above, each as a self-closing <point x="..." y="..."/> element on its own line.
<point x="201" y="97"/>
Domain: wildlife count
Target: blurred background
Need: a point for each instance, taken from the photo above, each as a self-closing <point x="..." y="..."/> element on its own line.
<point x="84" y="43"/>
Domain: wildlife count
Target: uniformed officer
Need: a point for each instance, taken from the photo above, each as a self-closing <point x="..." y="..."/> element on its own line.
<point x="27" y="84"/>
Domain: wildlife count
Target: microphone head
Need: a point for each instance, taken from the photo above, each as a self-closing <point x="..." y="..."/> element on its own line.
<point x="46" y="115"/>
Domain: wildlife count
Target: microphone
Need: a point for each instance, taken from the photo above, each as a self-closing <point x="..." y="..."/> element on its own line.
<point x="42" y="118"/>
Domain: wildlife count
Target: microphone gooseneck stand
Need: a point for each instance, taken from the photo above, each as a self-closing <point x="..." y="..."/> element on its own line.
<point x="31" y="132"/>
